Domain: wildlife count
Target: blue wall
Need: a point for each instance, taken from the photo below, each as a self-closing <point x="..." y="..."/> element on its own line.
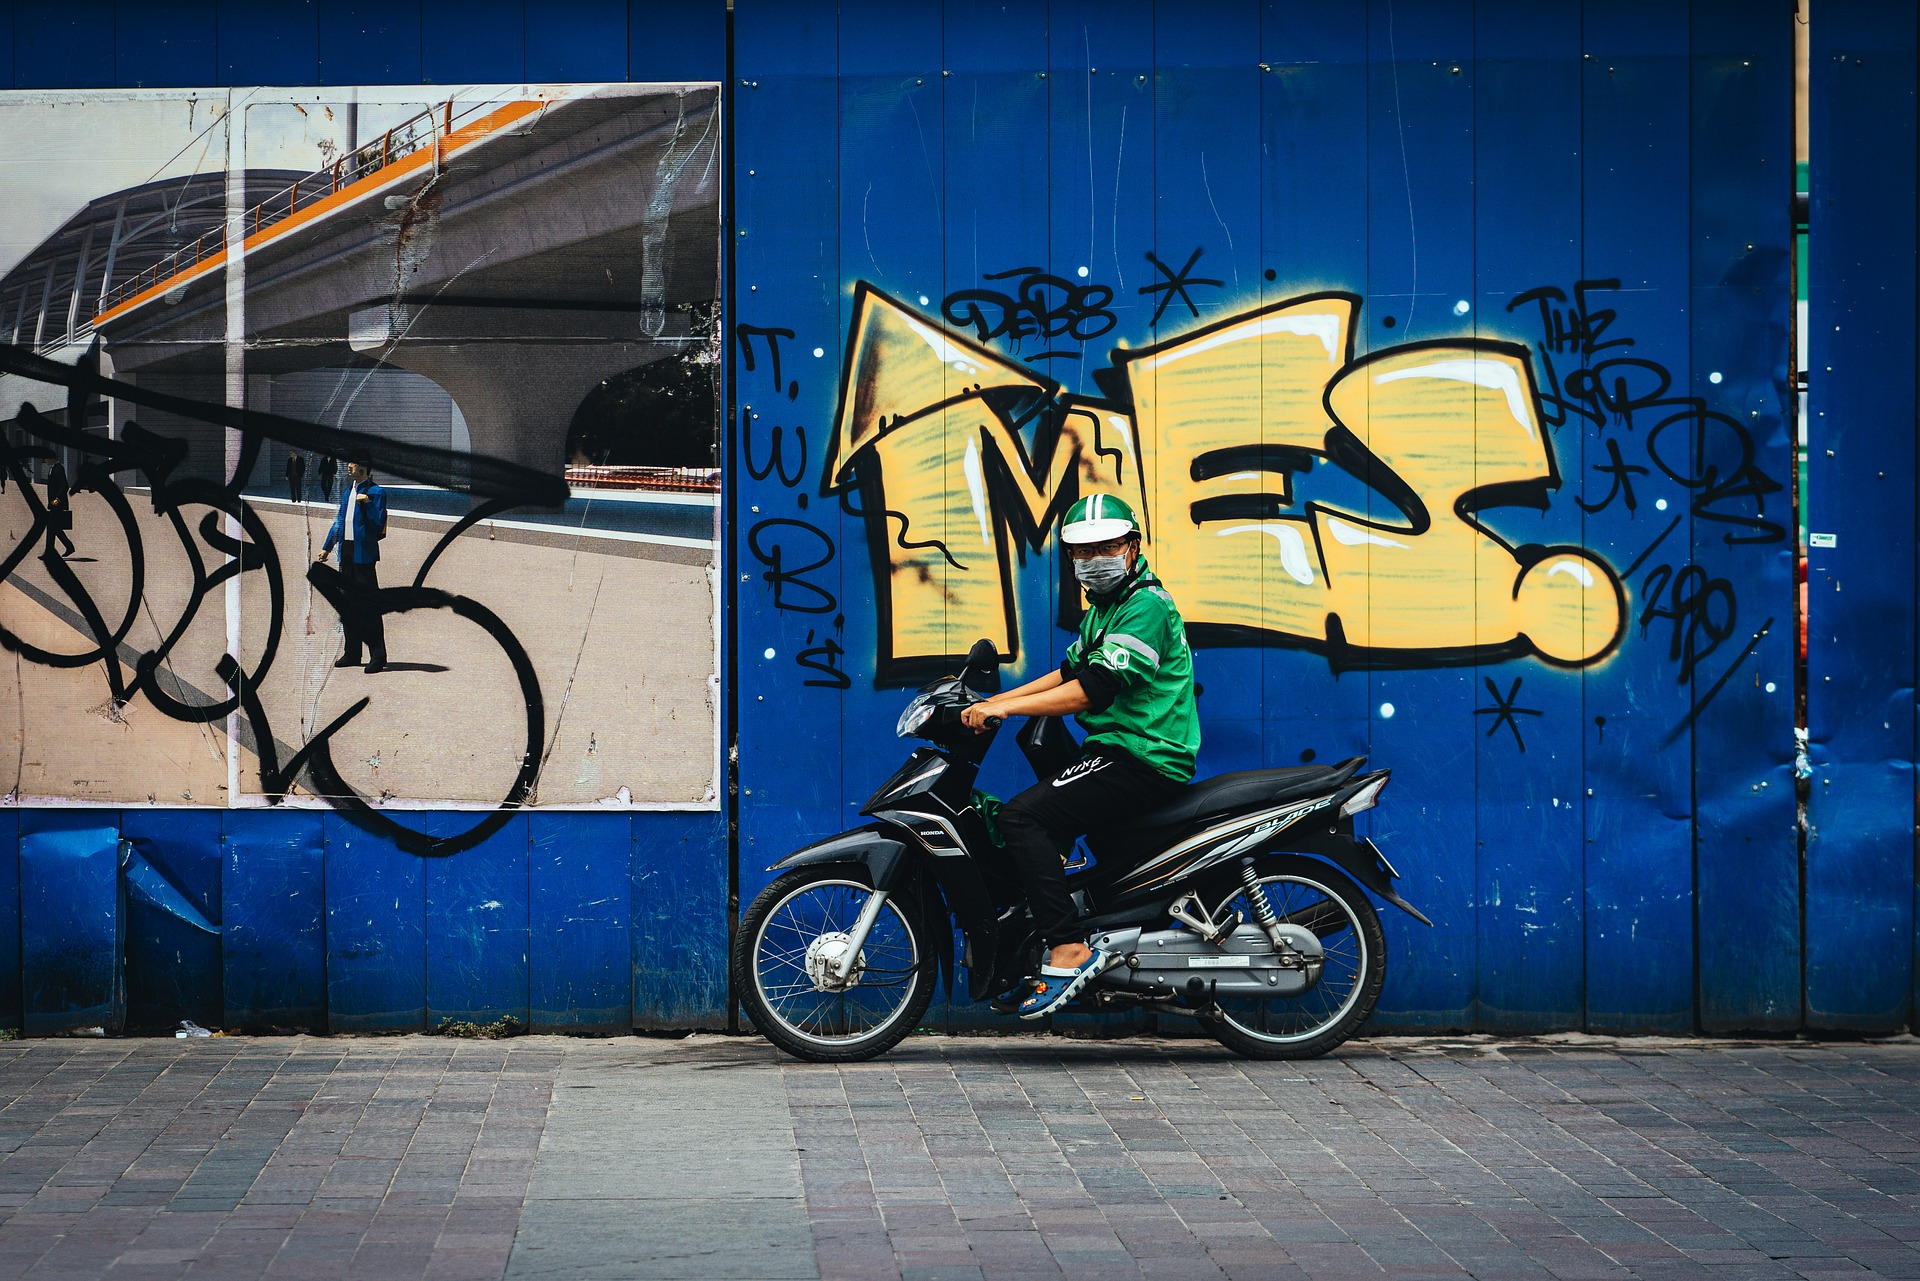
<point x="1609" y="843"/>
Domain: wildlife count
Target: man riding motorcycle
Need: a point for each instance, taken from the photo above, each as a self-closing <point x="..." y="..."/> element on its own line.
<point x="1128" y="679"/>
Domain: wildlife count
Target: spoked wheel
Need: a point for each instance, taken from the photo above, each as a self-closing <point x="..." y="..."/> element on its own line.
<point x="1308" y="893"/>
<point x="787" y="967"/>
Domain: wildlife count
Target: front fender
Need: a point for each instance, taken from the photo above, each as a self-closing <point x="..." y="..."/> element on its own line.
<point x="889" y="869"/>
<point x="884" y="857"/>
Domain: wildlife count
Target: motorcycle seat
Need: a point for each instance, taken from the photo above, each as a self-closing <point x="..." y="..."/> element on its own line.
<point x="1245" y="789"/>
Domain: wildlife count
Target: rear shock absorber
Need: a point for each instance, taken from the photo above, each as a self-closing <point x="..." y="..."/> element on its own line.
<point x="1263" y="910"/>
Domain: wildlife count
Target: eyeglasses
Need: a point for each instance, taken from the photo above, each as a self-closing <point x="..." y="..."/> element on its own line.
<point x="1089" y="551"/>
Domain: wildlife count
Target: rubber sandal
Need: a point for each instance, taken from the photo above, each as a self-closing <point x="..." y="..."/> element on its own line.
<point x="1056" y="986"/>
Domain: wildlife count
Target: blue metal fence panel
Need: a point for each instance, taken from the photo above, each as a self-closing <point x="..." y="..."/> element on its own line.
<point x="679" y="896"/>
<point x="10" y="918"/>
<point x="1420" y="259"/>
<point x="1529" y="766"/>
<point x="70" y="921"/>
<point x="685" y="40"/>
<point x="273" y="892"/>
<point x="167" y="43"/>
<point x="1747" y="883"/>
<point x="580" y="906"/>
<point x="473" y="41"/>
<point x="577" y="40"/>
<point x="171" y="869"/>
<point x="1634" y="258"/>
<point x="364" y="42"/>
<point x="376" y="932"/>
<point x="1861" y="364"/>
<point x="1313" y="158"/>
<point x="789" y="553"/>
<point x="267" y="44"/>
<point x="477" y="925"/>
<point x="63" y="47"/>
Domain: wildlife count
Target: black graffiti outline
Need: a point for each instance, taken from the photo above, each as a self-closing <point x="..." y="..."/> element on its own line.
<point x="1504" y="710"/>
<point x="783" y="576"/>
<point x="1082" y="313"/>
<point x="1609" y="394"/>
<point x="744" y="334"/>
<point x="776" y="462"/>
<point x="1690" y="593"/>
<point x="825" y="659"/>
<point x="503" y="484"/>
<point x="1622" y="473"/>
<point x="1175" y="284"/>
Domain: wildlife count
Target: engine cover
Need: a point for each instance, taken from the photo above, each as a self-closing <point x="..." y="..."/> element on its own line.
<point x="1245" y="965"/>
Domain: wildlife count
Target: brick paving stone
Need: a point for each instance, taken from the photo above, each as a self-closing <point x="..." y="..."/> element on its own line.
<point x="1002" y="1160"/>
<point x="1555" y="1158"/>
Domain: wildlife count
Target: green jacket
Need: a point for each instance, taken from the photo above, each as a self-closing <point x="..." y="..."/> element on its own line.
<point x="1132" y="659"/>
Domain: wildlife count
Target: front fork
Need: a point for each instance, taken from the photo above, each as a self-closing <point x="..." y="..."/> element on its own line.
<point x="857" y="937"/>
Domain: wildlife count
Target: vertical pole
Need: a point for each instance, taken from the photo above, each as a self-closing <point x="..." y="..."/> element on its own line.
<point x="236" y="391"/>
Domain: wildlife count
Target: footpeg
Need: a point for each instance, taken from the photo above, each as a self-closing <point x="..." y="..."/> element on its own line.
<point x="1190" y="912"/>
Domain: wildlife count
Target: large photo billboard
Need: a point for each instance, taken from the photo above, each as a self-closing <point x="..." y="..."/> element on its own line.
<point x="361" y="449"/>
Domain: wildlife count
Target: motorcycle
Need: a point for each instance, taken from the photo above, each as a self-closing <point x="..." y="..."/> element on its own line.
<point x="1238" y="903"/>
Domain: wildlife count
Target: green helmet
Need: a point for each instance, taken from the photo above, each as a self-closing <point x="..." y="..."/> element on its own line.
<point x="1098" y="518"/>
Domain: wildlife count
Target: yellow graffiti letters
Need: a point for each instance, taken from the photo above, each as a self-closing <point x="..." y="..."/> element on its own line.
<point x="964" y="459"/>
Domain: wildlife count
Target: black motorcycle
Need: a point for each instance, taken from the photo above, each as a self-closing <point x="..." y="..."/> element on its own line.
<point x="1235" y="903"/>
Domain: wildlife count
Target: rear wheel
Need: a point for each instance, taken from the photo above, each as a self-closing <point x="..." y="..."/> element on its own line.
<point x="784" y="966"/>
<point x="1308" y="893"/>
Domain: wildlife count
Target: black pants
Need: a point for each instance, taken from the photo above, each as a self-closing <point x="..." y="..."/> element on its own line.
<point x="1105" y="788"/>
<point x="364" y="625"/>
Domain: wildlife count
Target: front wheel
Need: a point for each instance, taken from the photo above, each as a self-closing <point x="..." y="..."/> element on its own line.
<point x="1309" y="893"/>
<point x="790" y="953"/>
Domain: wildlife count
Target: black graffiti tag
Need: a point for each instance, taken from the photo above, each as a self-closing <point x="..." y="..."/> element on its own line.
<point x="1042" y="305"/>
<point x="1707" y="452"/>
<point x="215" y="556"/>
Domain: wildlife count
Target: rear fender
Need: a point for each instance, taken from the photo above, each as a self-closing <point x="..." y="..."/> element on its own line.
<point x="1357" y="857"/>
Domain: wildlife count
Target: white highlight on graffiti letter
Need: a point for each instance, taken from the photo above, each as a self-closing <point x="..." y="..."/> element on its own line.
<point x="977" y="490"/>
<point x="1352" y="535"/>
<point x="1492" y="374"/>
<point x="1293" y="548"/>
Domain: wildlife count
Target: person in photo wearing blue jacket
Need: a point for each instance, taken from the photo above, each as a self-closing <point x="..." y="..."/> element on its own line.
<point x="359" y="524"/>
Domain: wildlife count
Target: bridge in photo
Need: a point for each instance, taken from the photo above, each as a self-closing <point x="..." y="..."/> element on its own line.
<point x="517" y="254"/>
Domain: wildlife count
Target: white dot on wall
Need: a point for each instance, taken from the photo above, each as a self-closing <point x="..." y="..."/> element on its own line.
<point x="1659" y="504"/>
<point x="1082" y="273"/>
<point x="1461" y="308"/>
<point x="769" y="653"/>
<point x="923" y="300"/>
<point x="1770" y="687"/>
<point x="1714" y="378"/>
<point x="1386" y="711"/>
<point x="819" y="352"/>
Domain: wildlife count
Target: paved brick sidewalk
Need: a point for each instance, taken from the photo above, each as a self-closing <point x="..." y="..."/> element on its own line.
<point x="1042" y="1158"/>
<point x="315" y="1156"/>
<point x="956" y="1158"/>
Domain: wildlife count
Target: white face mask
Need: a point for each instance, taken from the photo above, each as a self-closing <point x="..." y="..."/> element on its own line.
<point x="1101" y="574"/>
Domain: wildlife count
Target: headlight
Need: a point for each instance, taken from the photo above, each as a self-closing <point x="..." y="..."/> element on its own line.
<point x="918" y="712"/>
